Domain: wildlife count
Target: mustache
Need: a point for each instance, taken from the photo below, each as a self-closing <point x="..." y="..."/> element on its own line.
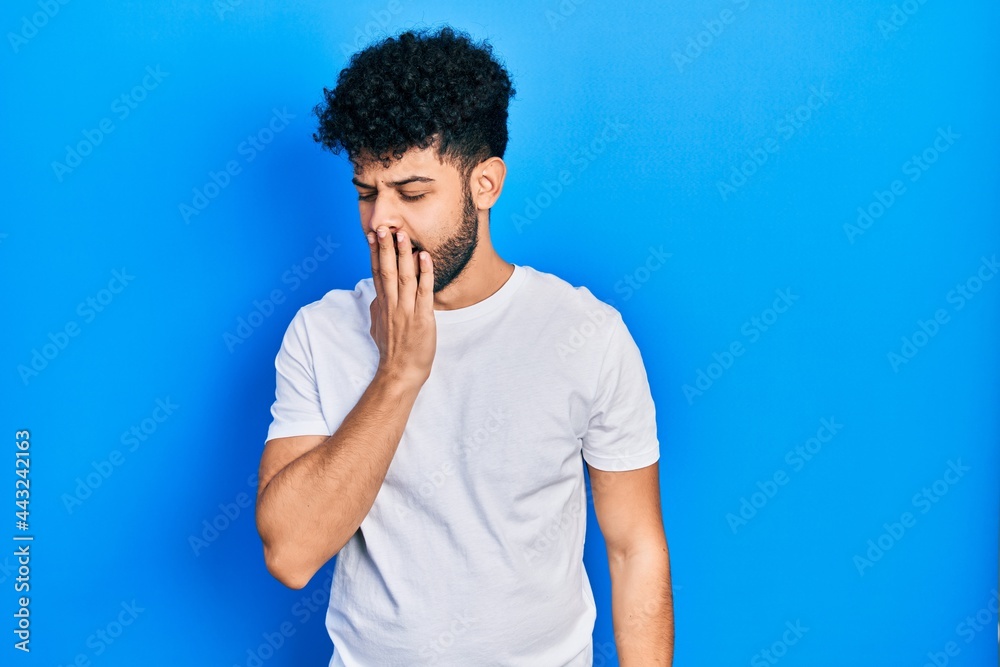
<point x="415" y="248"/>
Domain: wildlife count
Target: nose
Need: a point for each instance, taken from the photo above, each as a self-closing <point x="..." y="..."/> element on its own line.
<point x="384" y="213"/>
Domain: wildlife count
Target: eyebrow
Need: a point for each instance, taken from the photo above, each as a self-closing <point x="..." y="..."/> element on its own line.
<point x="394" y="184"/>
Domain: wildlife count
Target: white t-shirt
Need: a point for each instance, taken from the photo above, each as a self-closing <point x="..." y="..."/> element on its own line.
<point x="472" y="553"/>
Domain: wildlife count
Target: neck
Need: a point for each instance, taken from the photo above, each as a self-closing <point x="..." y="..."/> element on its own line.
<point x="485" y="273"/>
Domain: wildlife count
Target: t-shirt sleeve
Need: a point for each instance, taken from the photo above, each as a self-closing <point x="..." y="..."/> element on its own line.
<point x="622" y="431"/>
<point x="296" y="409"/>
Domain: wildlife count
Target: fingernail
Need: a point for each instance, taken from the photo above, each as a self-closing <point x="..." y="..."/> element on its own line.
<point x="399" y="236"/>
<point x="381" y="232"/>
<point x="370" y="237"/>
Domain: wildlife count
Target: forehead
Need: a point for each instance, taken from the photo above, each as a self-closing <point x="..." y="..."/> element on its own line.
<point x="415" y="162"/>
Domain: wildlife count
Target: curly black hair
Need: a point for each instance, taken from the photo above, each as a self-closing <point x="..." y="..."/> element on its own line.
<point x="413" y="89"/>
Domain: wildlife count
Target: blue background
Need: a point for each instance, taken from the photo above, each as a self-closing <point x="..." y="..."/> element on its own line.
<point x="705" y="94"/>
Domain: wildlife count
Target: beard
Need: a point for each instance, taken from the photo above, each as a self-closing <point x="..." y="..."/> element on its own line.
<point x="453" y="255"/>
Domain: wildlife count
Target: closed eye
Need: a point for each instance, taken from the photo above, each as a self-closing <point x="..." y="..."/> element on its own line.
<point x="405" y="197"/>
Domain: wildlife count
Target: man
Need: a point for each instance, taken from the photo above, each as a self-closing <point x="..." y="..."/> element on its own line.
<point x="428" y="426"/>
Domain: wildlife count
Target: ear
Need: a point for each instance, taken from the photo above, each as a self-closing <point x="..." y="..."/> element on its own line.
<point x="486" y="182"/>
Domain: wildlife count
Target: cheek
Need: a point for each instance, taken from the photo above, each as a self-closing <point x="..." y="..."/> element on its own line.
<point x="364" y="215"/>
<point x="430" y="225"/>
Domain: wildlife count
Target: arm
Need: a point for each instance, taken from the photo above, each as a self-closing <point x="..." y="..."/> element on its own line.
<point x="314" y="491"/>
<point x="627" y="505"/>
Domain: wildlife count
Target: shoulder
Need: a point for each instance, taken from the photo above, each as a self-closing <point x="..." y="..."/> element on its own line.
<point x="577" y="317"/>
<point x="338" y="310"/>
<point x="565" y="297"/>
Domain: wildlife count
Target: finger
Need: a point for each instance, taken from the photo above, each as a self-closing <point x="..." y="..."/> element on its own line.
<point x="373" y="251"/>
<point x="387" y="266"/>
<point x="425" y="288"/>
<point x="407" y="275"/>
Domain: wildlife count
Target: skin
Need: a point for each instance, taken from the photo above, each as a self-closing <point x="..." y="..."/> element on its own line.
<point x="627" y="507"/>
<point x="302" y="477"/>
<point x="450" y="220"/>
<point x="447" y="220"/>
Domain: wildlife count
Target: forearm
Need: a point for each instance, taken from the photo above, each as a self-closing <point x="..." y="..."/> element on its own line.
<point x="642" y="608"/>
<point x="314" y="505"/>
